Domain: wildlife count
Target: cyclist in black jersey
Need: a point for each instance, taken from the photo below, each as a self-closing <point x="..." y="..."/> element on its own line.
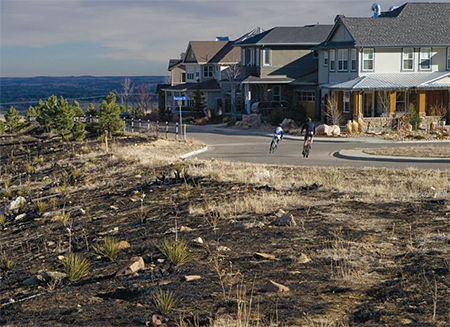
<point x="310" y="130"/>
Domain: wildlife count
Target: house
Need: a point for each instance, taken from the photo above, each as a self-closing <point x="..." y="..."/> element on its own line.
<point x="279" y="65"/>
<point x="208" y="67"/>
<point x="383" y="65"/>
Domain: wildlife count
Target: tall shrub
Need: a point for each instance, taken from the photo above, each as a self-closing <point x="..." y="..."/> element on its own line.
<point x="109" y="119"/>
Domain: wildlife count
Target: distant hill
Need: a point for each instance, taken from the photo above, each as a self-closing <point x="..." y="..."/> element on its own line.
<point x="22" y="92"/>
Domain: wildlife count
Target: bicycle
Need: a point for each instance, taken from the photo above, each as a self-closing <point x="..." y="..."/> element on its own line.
<point x="274" y="144"/>
<point x="307" y="148"/>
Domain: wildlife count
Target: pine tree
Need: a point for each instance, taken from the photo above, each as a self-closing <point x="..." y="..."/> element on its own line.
<point x="47" y="111"/>
<point x="63" y="117"/>
<point x="199" y="102"/>
<point x="78" y="131"/>
<point x="12" y="120"/>
<point x="77" y="111"/>
<point x="31" y="112"/>
<point x="138" y="112"/>
<point x="109" y="119"/>
<point x="91" y="111"/>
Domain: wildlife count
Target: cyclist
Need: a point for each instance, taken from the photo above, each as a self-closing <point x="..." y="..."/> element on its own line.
<point x="278" y="133"/>
<point x="310" y="130"/>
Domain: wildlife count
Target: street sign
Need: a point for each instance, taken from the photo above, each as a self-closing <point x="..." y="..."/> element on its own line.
<point x="179" y="98"/>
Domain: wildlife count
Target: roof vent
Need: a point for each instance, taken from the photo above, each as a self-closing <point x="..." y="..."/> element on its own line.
<point x="376" y="10"/>
<point x="222" y="38"/>
<point x="338" y="17"/>
<point x="392" y="8"/>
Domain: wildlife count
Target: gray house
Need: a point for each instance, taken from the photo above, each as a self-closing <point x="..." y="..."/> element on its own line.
<point x="279" y="65"/>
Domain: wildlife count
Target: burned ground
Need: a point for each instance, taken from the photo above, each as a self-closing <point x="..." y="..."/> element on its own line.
<point x="347" y="257"/>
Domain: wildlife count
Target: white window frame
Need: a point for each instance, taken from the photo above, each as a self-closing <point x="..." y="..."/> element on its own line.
<point x="208" y="71"/>
<point x="342" y="60"/>
<point x="353" y="58"/>
<point x="325" y="58"/>
<point x="448" y="58"/>
<point x="267" y="57"/>
<point x="346" y="101"/>
<point x="423" y="59"/>
<point x="190" y="76"/>
<point x="406" y="59"/>
<point x="368" y="56"/>
<point x="243" y="57"/>
<point x="332" y="60"/>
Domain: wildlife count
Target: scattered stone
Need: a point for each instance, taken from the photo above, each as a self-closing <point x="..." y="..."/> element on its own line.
<point x="250" y="225"/>
<point x="185" y="229"/>
<point x="222" y="248"/>
<point x="33" y="280"/>
<point x="190" y="278"/>
<point x="264" y="256"/>
<point x="124" y="245"/>
<point x="135" y="198"/>
<point x="133" y="265"/>
<point x="160" y="260"/>
<point x="295" y="272"/>
<point x="50" y="243"/>
<point x="61" y="258"/>
<point x="279" y="213"/>
<point x="272" y="286"/>
<point x="15" y="204"/>
<point x="285" y="220"/>
<point x="198" y="240"/>
<point x="21" y="216"/>
<point x="55" y="275"/>
<point x="114" y="207"/>
<point x="303" y="259"/>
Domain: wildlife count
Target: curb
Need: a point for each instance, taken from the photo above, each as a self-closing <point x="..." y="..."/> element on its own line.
<point x="359" y="155"/>
<point x="193" y="153"/>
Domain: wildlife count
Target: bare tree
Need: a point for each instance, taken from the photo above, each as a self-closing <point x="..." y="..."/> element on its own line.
<point x="144" y="97"/>
<point x="168" y="79"/>
<point x="439" y="110"/>
<point x="332" y="111"/>
<point x="127" y="90"/>
<point x="232" y="74"/>
<point x="383" y="100"/>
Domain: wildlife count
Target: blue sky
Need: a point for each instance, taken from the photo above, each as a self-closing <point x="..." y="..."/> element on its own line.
<point x="129" y="38"/>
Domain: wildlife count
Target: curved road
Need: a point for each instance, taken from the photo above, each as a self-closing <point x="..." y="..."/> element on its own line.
<point x="252" y="146"/>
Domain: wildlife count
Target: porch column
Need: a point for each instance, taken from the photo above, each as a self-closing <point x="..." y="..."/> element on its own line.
<point x="392" y="102"/>
<point x="357" y="104"/>
<point x="248" y="97"/>
<point x="422" y="98"/>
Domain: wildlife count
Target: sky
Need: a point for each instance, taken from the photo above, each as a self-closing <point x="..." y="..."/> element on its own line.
<point x="137" y="38"/>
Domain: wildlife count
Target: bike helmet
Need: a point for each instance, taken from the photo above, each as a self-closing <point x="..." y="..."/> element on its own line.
<point x="308" y="120"/>
<point x="280" y="124"/>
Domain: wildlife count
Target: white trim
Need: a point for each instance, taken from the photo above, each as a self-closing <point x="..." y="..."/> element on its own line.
<point x="325" y="58"/>
<point x="267" y="54"/>
<point x="404" y="60"/>
<point x="332" y="60"/>
<point x="342" y="60"/>
<point x="425" y="59"/>
<point x="369" y="51"/>
<point x="353" y="59"/>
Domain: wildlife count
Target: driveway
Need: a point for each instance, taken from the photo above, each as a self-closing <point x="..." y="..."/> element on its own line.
<point x="252" y="146"/>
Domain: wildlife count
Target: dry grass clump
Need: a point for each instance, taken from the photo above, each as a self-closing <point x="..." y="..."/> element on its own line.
<point x="75" y="267"/>
<point x="176" y="251"/>
<point x="109" y="249"/>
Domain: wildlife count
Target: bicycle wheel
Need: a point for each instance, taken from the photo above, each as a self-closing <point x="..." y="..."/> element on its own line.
<point x="272" y="146"/>
<point x="307" y="149"/>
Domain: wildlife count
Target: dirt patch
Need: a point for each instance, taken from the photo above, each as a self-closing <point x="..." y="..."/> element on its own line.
<point x="355" y="247"/>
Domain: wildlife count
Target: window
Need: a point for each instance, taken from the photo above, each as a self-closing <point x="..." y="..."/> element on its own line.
<point x="353" y="59"/>
<point x="425" y="59"/>
<point x="276" y="93"/>
<point x="400" y="102"/>
<point x="307" y="96"/>
<point x="207" y="71"/>
<point x="190" y="76"/>
<point x="407" y="59"/>
<point x="448" y="58"/>
<point x="332" y="60"/>
<point x="368" y="59"/>
<point x="267" y="57"/>
<point x="197" y="74"/>
<point x="342" y="60"/>
<point x="346" y="101"/>
<point x="183" y="77"/>
<point x="325" y="58"/>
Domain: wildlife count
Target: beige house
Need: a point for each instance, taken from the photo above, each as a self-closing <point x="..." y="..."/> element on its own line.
<point x="381" y="66"/>
<point x="279" y="65"/>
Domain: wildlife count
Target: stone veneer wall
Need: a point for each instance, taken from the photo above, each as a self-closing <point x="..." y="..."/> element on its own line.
<point x="386" y="123"/>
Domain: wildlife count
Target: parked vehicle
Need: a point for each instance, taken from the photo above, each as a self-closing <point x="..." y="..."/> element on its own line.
<point x="264" y="107"/>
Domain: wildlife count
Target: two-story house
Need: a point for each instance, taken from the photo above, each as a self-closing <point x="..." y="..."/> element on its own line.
<point x="280" y="66"/>
<point x="383" y="65"/>
<point x="206" y="66"/>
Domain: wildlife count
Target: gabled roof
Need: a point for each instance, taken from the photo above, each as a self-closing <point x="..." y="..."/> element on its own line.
<point x="209" y="85"/>
<point x="173" y="63"/>
<point x="295" y="35"/>
<point x="412" y="24"/>
<point x="399" y="81"/>
<point x="209" y="52"/>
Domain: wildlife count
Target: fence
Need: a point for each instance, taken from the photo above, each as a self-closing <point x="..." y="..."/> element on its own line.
<point x="158" y="129"/>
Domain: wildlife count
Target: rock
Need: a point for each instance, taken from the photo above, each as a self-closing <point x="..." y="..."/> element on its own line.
<point x="250" y="121"/>
<point x="124" y="245"/>
<point x="185" y="229"/>
<point x="56" y="275"/>
<point x="272" y="286"/>
<point x="288" y="123"/>
<point x="198" y="240"/>
<point x="17" y="203"/>
<point x="335" y="130"/>
<point x="303" y="259"/>
<point x="133" y="265"/>
<point x="34" y="280"/>
<point x="223" y="248"/>
<point x="265" y="256"/>
<point x="190" y="278"/>
<point x="250" y="225"/>
<point x="21" y="216"/>
<point x="279" y="212"/>
<point x="285" y="220"/>
<point x="114" y="207"/>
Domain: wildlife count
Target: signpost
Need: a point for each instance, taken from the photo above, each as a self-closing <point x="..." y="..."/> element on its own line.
<point x="180" y="100"/>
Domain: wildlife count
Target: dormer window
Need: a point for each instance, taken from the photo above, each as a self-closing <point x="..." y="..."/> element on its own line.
<point x="207" y="71"/>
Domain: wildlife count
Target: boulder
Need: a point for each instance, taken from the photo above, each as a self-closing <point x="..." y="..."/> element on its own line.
<point x="16" y="203"/>
<point x="249" y="121"/>
<point x="133" y="265"/>
<point x="335" y="130"/>
<point x="288" y="124"/>
<point x="272" y="286"/>
<point x="285" y="220"/>
<point x="324" y="130"/>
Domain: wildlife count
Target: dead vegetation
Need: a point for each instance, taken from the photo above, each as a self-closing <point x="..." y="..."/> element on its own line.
<point x="265" y="245"/>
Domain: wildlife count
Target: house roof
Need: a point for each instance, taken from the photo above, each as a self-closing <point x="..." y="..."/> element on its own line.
<point x="399" y="81"/>
<point x="209" y="85"/>
<point x="173" y="63"/>
<point x="295" y="35"/>
<point x="209" y="52"/>
<point x="412" y="24"/>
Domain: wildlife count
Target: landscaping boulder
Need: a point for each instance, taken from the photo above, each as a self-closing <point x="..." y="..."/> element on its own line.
<point x="288" y="124"/>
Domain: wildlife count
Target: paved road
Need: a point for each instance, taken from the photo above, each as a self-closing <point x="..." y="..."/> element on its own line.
<point x="252" y="146"/>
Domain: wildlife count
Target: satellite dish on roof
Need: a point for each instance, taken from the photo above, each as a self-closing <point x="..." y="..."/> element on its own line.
<point x="376" y="8"/>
